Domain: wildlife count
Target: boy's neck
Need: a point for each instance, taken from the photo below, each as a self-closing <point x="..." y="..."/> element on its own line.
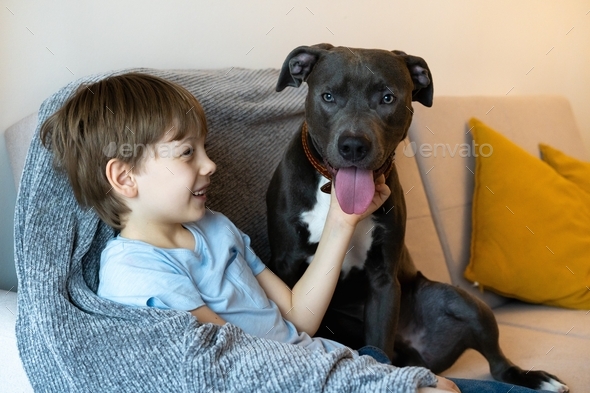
<point x="160" y="235"/>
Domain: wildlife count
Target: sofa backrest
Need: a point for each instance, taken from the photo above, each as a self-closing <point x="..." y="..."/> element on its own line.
<point x="449" y="180"/>
<point x="421" y="235"/>
<point x="438" y="188"/>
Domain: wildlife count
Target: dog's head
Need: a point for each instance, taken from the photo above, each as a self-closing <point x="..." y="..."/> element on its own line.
<point x="359" y="106"/>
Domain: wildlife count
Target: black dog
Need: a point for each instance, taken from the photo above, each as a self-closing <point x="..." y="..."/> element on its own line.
<point x="358" y="109"/>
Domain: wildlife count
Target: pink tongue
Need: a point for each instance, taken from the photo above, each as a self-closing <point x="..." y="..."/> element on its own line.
<point x="354" y="189"/>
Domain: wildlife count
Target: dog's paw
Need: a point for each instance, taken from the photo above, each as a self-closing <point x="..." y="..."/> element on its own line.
<point x="539" y="380"/>
<point x="554" y="386"/>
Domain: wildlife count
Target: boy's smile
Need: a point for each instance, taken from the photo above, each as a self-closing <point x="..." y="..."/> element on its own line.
<point x="200" y="192"/>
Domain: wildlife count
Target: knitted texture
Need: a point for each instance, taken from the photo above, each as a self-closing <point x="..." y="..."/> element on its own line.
<point x="70" y="340"/>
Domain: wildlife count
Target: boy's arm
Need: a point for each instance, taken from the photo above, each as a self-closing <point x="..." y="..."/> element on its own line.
<point x="205" y="315"/>
<point x="306" y="304"/>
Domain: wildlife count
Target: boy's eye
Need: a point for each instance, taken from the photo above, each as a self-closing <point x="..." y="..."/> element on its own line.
<point x="188" y="152"/>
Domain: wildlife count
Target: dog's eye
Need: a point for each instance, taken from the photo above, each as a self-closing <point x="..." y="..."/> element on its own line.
<point x="328" y="97"/>
<point x="388" y="99"/>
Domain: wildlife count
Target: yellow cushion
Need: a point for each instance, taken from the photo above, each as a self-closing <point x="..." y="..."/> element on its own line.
<point x="572" y="169"/>
<point x="531" y="227"/>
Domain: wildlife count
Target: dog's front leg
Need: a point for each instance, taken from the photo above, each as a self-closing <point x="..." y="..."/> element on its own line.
<point x="382" y="308"/>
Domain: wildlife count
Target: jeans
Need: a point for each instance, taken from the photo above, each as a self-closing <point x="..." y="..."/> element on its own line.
<point x="465" y="385"/>
<point x="375" y="353"/>
<point x="476" y="386"/>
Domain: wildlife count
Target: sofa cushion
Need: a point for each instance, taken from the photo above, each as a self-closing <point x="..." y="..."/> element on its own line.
<point x="557" y="354"/>
<point x="448" y="174"/>
<point x="531" y="226"/>
<point x="576" y="171"/>
<point x="557" y="320"/>
<point x="12" y="373"/>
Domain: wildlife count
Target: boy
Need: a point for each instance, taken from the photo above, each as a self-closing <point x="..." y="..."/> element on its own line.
<point x="133" y="148"/>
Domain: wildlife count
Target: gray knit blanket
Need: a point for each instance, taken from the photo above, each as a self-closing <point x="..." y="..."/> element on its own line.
<point x="70" y="340"/>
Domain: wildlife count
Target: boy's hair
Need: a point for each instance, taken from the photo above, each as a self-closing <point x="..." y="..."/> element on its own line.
<point x="114" y="118"/>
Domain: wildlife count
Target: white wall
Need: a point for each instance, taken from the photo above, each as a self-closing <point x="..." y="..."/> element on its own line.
<point x="472" y="47"/>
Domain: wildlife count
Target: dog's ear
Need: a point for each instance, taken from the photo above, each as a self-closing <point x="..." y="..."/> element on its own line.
<point x="299" y="64"/>
<point x="423" y="88"/>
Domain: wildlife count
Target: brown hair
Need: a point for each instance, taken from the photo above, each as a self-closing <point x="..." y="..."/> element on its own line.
<point x="93" y="126"/>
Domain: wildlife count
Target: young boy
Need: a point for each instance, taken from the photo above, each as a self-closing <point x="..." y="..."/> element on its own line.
<point x="133" y="148"/>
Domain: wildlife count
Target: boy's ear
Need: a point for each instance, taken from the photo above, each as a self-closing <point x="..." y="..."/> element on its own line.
<point x="121" y="178"/>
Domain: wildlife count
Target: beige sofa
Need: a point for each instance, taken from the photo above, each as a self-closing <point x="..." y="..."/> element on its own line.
<point x="438" y="195"/>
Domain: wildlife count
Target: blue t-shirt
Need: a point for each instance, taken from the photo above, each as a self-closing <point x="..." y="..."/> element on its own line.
<point x="220" y="273"/>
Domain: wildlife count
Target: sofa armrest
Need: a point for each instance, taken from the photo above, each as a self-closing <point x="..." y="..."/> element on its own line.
<point x="18" y="137"/>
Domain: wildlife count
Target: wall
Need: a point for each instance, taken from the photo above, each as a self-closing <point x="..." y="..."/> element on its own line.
<point x="472" y="47"/>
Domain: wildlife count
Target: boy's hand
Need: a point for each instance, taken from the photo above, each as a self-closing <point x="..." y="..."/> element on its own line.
<point x="382" y="192"/>
<point x="443" y="385"/>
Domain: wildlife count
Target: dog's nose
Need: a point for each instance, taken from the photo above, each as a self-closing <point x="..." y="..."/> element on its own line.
<point x="353" y="148"/>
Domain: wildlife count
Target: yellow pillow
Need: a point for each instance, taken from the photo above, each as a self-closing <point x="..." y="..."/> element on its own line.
<point x="531" y="227"/>
<point x="572" y="169"/>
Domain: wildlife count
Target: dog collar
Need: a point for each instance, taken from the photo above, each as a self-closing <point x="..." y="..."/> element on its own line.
<point x="314" y="161"/>
<point x="321" y="168"/>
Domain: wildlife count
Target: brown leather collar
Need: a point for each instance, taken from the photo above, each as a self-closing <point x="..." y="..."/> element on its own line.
<point x="320" y="167"/>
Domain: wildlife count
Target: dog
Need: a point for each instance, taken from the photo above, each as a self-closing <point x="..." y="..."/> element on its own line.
<point x="357" y="111"/>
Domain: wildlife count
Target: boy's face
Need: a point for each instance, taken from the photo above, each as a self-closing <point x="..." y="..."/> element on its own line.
<point x="173" y="181"/>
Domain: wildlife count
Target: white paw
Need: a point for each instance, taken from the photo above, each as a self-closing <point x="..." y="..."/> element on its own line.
<point x="554" y="386"/>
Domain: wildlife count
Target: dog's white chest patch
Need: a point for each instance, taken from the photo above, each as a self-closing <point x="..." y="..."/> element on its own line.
<point x="361" y="239"/>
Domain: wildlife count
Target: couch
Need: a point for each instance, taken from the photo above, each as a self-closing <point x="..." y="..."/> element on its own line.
<point x="438" y="196"/>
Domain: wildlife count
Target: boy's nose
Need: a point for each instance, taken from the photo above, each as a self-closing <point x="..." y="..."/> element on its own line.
<point x="208" y="167"/>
